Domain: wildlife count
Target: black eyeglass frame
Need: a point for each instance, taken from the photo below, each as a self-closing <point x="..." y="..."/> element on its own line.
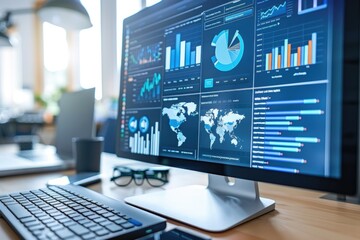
<point x="139" y="176"/>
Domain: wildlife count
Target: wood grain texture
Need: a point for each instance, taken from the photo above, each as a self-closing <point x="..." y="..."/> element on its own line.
<point x="299" y="213"/>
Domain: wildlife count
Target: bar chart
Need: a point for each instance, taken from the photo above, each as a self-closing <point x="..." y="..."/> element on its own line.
<point x="284" y="128"/>
<point x="184" y="54"/>
<point x="147" y="143"/>
<point x="288" y="55"/>
<point x="183" y="45"/>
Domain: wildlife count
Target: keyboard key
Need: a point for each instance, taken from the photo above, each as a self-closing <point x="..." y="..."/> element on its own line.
<point x="83" y="221"/>
<point x="127" y="225"/>
<point x="44" y="218"/>
<point x="89" y="224"/>
<point x="36" y="227"/>
<point x="9" y="201"/>
<point x="102" y="232"/>
<point x="57" y="227"/>
<point x="99" y="219"/>
<point x="113" y="227"/>
<point x="64" y="233"/>
<point x="51" y="224"/>
<point x="78" y="229"/>
<point x="105" y="223"/>
<point x="59" y="217"/>
<point x="120" y="221"/>
<point x="45" y="234"/>
<point x="80" y="208"/>
<point x="114" y="218"/>
<point x="70" y="223"/>
<point x="19" y="211"/>
<point x="108" y="214"/>
<point x="93" y="216"/>
<point x="64" y="220"/>
<point x="74" y="238"/>
<point x="88" y="213"/>
<point x="27" y="219"/>
<point x="96" y="228"/>
<point x="73" y="215"/>
<point x="88" y="236"/>
<point x="32" y="223"/>
<point x="97" y="209"/>
<point x="4" y="198"/>
<point x="78" y="218"/>
<point x="135" y="222"/>
<point x="102" y="211"/>
<point x="40" y="214"/>
<point x="15" y="195"/>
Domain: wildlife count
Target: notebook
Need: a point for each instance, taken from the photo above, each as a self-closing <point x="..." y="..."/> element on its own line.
<point x="75" y="119"/>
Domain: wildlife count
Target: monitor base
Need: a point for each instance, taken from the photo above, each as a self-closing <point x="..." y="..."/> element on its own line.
<point x="219" y="206"/>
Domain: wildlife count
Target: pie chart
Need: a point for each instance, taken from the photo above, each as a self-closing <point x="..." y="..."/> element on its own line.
<point x="144" y="124"/>
<point x="228" y="54"/>
<point x="133" y="124"/>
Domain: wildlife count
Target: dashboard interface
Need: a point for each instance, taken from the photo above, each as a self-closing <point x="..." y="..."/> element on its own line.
<point x="247" y="83"/>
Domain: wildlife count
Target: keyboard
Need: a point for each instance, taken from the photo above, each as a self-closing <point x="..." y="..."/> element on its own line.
<point x="73" y="212"/>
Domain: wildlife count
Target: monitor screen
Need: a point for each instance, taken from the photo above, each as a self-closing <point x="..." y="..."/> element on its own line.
<point x="261" y="90"/>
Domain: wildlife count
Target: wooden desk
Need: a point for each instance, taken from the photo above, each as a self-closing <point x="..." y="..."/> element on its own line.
<point x="299" y="214"/>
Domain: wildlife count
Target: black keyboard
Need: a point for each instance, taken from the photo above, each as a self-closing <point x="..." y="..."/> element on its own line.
<point x="73" y="212"/>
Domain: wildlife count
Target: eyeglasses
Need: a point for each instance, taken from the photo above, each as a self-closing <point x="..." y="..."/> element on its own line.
<point x="156" y="177"/>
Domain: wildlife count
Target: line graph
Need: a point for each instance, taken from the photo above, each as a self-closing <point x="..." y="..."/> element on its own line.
<point x="144" y="88"/>
<point x="273" y="11"/>
<point x="151" y="89"/>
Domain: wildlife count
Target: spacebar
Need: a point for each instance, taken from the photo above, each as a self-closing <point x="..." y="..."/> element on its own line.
<point x="19" y="211"/>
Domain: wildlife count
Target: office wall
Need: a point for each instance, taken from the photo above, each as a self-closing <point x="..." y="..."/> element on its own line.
<point x="31" y="60"/>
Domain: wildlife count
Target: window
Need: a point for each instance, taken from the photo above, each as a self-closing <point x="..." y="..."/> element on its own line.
<point x="151" y="2"/>
<point x="10" y="73"/>
<point x="90" y="50"/>
<point x="56" y="55"/>
<point x="56" y="59"/>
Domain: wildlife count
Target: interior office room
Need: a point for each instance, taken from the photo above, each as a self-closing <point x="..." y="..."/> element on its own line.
<point x="179" y="119"/>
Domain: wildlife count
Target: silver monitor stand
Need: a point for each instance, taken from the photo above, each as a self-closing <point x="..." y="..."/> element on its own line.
<point x="221" y="205"/>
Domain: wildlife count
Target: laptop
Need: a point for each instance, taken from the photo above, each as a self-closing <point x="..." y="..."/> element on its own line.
<point x="75" y="119"/>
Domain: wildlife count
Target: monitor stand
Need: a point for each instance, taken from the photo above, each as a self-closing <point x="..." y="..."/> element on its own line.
<point x="221" y="205"/>
<point x="345" y="198"/>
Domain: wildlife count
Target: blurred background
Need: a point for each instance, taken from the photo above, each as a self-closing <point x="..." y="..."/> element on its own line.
<point x="42" y="61"/>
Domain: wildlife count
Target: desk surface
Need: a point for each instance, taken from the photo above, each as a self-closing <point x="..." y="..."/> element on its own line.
<point x="299" y="214"/>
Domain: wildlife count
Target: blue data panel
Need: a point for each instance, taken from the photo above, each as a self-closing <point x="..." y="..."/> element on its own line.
<point x="225" y="127"/>
<point x="140" y="132"/>
<point x="183" y="57"/>
<point x="180" y="118"/>
<point x="144" y="52"/>
<point x="145" y="88"/>
<point x="244" y="83"/>
<point x="289" y="129"/>
<point x="290" y="47"/>
<point x="228" y="46"/>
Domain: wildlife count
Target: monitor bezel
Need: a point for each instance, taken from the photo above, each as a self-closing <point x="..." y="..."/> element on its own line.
<point x="346" y="184"/>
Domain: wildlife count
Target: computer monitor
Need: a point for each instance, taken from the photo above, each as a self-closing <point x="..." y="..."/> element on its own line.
<point x="257" y="90"/>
